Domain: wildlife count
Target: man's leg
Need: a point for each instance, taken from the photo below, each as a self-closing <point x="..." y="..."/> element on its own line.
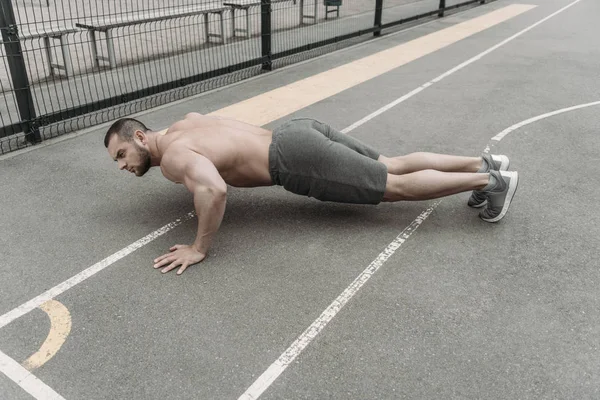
<point x="421" y="161"/>
<point x="431" y="184"/>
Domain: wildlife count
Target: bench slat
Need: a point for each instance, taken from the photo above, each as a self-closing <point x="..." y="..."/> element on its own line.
<point x="248" y="3"/>
<point x="148" y="17"/>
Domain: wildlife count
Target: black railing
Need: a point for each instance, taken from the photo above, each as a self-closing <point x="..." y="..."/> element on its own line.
<point x="68" y="65"/>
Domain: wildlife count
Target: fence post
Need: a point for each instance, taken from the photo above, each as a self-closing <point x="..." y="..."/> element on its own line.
<point x="265" y="23"/>
<point x="442" y="7"/>
<point x="18" y="70"/>
<point x="378" y="12"/>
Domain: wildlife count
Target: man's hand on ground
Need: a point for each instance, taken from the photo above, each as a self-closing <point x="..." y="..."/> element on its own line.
<point x="180" y="255"/>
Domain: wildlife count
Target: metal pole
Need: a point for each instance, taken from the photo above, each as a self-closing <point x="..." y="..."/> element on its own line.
<point x="442" y="7"/>
<point x="18" y="70"/>
<point x="378" y="12"/>
<point x="265" y="23"/>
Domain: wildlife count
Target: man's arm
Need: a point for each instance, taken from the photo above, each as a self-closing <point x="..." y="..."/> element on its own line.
<point x="202" y="179"/>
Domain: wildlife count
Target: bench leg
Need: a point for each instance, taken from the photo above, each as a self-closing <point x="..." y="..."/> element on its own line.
<point x="233" y="22"/>
<point x="112" y="60"/>
<point x="223" y="39"/>
<point x="48" y="54"/>
<point x="301" y="12"/>
<point x="205" y="16"/>
<point x="316" y="4"/>
<point x="64" y="45"/>
<point x="94" y="48"/>
<point x="247" y="23"/>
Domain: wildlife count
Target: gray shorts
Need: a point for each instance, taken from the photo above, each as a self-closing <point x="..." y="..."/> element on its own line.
<point x="310" y="158"/>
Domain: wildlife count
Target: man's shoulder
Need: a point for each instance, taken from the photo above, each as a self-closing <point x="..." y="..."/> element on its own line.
<point x="175" y="151"/>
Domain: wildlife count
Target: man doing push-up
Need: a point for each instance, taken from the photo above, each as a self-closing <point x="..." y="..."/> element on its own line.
<point x="306" y="157"/>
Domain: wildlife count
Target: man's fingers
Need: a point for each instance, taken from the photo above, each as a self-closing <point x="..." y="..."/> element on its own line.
<point x="164" y="261"/>
<point x="183" y="267"/>
<point x="176" y="247"/>
<point x="170" y="267"/>
<point x="163" y="257"/>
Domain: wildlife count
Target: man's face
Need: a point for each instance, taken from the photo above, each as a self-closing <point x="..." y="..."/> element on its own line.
<point x="130" y="156"/>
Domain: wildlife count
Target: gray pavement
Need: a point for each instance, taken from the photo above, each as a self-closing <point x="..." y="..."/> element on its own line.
<point x="464" y="310"/>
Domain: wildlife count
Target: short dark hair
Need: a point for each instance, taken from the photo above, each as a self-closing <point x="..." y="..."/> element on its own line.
<point x="124" y="128"/>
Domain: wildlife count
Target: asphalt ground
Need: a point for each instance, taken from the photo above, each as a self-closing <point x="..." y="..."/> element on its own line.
<point x="460" y="309"/>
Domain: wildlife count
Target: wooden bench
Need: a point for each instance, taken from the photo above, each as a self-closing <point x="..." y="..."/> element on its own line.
<point x="106" y="26"/>
<point x="53" y="33"/>
<point x="244" y="5"/>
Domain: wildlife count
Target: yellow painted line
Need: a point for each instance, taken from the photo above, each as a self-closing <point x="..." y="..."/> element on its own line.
<point x="277" y="103"/>
<point x="60" y="327"/>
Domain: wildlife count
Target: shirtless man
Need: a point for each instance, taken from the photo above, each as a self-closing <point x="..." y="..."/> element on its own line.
<point x="304" y="156"/>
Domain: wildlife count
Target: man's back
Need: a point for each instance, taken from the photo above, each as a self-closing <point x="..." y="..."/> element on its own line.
<point x="239" y="151"/>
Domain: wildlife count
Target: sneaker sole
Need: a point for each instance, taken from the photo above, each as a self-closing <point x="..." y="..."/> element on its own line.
<point x="512" y="189"/>
<point x="504" y="163"/>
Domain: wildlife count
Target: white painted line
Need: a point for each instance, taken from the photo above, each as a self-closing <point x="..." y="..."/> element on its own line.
<point x="26" y="379"/>
<point x="505" y="132"/>
<point x="453" y="70"/>
<point x="269" y="376"/>
<point x="85" y="274"/>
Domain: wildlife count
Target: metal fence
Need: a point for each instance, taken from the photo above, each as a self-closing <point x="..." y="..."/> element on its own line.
<point x="67" y="64"/>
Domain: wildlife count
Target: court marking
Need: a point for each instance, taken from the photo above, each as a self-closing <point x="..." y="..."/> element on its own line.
<point x="505" y="132"/>
<point x="272" y="373"/>
<point x="36" y="387"/>
<point x="26" y="380"/>
<point x="60" y="327"/>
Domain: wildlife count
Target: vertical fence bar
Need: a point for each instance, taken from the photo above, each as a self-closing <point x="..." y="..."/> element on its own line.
<point x="442" y="7"/>
<point x="18" y="71"/>
<point x="265" y="23"/>
<point x="378" y="12"/>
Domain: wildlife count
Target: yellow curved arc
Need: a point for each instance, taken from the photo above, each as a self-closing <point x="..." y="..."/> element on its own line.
<point x="60" y="327"/>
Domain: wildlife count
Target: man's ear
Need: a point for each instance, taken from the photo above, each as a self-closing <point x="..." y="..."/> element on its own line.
<point x="141" y="136"/>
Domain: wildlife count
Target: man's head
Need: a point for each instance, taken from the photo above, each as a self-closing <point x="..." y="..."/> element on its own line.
<point x="127" y="144"/>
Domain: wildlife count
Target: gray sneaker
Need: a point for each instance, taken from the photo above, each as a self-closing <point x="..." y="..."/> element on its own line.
<point x="499" y="198"/>
<point x="494" y="163"/>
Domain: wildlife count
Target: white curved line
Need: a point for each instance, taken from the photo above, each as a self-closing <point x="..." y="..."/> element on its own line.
<point x="505" y="132"/>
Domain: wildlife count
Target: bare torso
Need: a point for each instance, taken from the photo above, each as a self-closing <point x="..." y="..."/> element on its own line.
<point x="239" y="151"/>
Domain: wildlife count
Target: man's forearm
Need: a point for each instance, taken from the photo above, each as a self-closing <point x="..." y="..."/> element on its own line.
<point x="210" y="207"/>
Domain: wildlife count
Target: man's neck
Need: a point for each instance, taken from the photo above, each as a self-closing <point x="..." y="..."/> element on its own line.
<point x="153" y="143"/>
